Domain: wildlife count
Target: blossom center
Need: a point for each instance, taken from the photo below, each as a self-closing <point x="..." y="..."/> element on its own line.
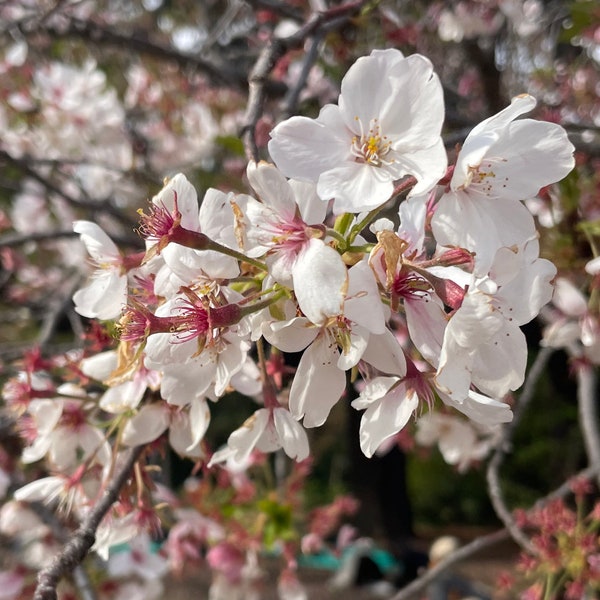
<point x="371" y="146"/>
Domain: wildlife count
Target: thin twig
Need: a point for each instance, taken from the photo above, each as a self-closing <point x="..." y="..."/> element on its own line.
<point x="317" y="25"/>
<point x="103" y="206"/>
<point x="278" y="7"/>
<point x="290" y="101"/>
<point x="503" y="447"/>
<point x="586" y="397"/>
<point x="83" y="539"/>
<point x="588" y="414"/>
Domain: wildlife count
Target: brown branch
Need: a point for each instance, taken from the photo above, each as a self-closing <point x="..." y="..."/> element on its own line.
<point x="93" y="206"/>
<point x="290" y="102"/>
<point x="75" y="551"/>
<point x="278" y="7"/>
<point x="317" y="25"/>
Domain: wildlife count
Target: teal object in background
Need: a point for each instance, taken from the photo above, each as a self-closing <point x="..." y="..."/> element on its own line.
<point x="328" y="561"/>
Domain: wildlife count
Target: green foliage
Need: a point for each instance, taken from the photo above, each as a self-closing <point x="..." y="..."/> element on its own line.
<point x="583" y="14"/>
<point x="279" y="523"/>
<point x="231" y="143"/>
<point x="441" y="496"/>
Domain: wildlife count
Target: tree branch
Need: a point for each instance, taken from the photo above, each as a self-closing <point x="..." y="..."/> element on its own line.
<point x="83" y="539"/>
<point x="94" y="207"/>
<point x="103" y="36"/>
<point x="588" y="414"/>
<point x="317" y="25"/>
<point x="503" y="447"/>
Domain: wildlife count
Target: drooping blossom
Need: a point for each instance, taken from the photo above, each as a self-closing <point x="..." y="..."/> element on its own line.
<point x="266" y="430"/>
<point x="502" y="161"/>
<point x="483" y="343"/>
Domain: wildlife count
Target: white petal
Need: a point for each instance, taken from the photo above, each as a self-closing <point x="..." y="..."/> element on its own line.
<point x="123" y="397"/>
<point x="356" y="186"/>
<point x="499" y="364"/>
<point x="272" y="188"/>
<point x="568" y="298"/>
<point x="182" y="436"/>
<point x="426" y="320"/>
<point x="318" y="383"/>
<point x="99" y="246"/>
<point x="100" y="366"/>
<point x="244" y="439"/>
<point x="187" y="200"/>
<point x="385" y="418"/>
<point x="291" y="336"/>
<point x="363" y="304"/>
<point x="303" y="148"/>
<point x="149" y="423"/>
<point x="385" y="354"/>
<point x="104" y="297"/>
<point x="484" y="135"/>
<point x="487" y="411"/>
<point x="199" y="420"/>
<point x="349" y="357"/>
<point x="320" y="282"/>
<point x="41" y="490"/>
<point x="312" y="209"/>
<point x="534" y="154"/>
<point x="482" y="225"/>
<point x="291" y="434"/>
<point x="374" y="390"/>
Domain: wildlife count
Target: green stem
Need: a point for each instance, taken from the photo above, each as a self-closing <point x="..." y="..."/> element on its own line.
<point x="365" y="248"/>
<point x="362" y="224"/>
<point x="256" y="306"/>
<point x="235" y="254"/>
<point x="338" y="237"/>
<point x="343" y="222"/>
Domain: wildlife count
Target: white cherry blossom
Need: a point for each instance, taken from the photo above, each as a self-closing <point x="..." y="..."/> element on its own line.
<point x="460" y="442"/>
<point x="267" y="430"/>
<point x="280" y="225"/>
<point x="105" y="295"/>
<point x="343" y="312"/>
<point x="502" y="161"/>
<point x="482" y="343"/>
<point x="386" y="125"/>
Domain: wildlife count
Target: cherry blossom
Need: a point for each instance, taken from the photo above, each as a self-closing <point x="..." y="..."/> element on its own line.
<point x="386" y="125"/>
<point x="266" y="430"/>
<point x="105" y="295"/>
<point x="289" y="215"/>
<point x="486" y="325"/>
<point x="460" y="442"/>
<point x="502" y="161"/>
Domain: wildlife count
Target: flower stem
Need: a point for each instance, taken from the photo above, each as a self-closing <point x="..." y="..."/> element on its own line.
<point x="362" y="224"/>
<point x="235" y="254"/>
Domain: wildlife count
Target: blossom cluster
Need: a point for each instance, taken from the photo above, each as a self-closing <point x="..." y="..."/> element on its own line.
<point x="360" y="248"/>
